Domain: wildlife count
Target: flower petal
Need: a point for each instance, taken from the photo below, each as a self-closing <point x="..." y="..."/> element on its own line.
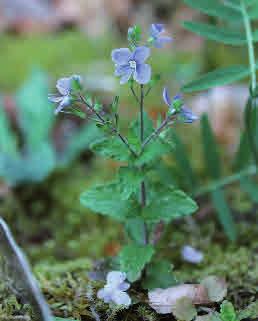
<point x="103" y="295"/>
<point x="142" y="74"/>
<point x="124" y="286"/>
<point x="140" y="54"/>
<point x="188" y="116"/>
<point x="190" y="254"/>
<point x="166" y="97"/>
<point x="55" y="98"/>
<point x="156" y="29"/>
<point x="121" y="70"/>
<point x="159" y="42"/>
<point x="121" y="298"/>
<point x="116" y="277"/>
<point x="126" y="76"/>
<point x="64" y="85"/>
<point x="64" y="103"/>
<point x="121" y="56"/>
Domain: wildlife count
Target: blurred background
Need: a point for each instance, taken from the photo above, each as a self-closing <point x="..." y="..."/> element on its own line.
<point x="45" y="163"/>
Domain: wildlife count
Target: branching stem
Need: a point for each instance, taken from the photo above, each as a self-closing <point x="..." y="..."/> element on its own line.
<point x="113" y="129"/>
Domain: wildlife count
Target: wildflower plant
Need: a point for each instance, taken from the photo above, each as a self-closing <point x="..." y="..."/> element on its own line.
<point x="136" y="197"/>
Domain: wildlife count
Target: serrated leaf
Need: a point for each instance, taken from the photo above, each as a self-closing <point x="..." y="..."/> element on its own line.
<point x="227" y="312"/>
<point x="216" y="287"/>
<point x="152" y="152"/>
<point x="107" y="200"/>
<point x="184" y="310"/>
<point x="135" y="229"/>
<point x="251" y="311"/>
<point x="224" y="214"/>
<point x="218" y="77"/>
<point x="215" y="9"/>
<point x="159" y="274"/>
<point x="167" y="205"/>
<point x="215" y="33"/>
<point x="133" y="259"/>
<point x="130" y="179"/>
<point x="111" y="147"/>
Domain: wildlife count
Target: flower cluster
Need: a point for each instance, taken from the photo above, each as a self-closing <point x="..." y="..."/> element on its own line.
<point x="132" y="63"/>
<point x="65" y="88"/>
<point x="115" y="289"/>
<point x="176" y="106"/>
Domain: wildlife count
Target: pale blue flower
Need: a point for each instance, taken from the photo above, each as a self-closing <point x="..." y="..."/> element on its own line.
<point x="177" y="107"/>
<point x="64" y="87"/>
<point x="191" y="255"/>
<point x="115" y="289"/>
<point x="156" y="37"/>
<point x="129" y="64"/>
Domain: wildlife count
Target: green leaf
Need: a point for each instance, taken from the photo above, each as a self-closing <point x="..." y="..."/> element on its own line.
<point x="215" y="9"/>
<point x="184" y="310"/>
<point x="62" y="319"/>
<point x="133" y="259"/>
<point x="243" y="153"/>
<point x="224" y="214"/>
<point x="168" y="204"/>
<point x="135" y="229"/>
<point x="111" y="147"/>
<point x="253" y="12"/>
<point x="227" y="312"/>
<point x="35" y="113"/>
<point x="8" y="140"/>
<point x="107" y="200"/>
<point x="215" y="33"/>
<point x="152" y="152"/>
<point x="130" y="179"/>
<point x="250" y="188"/>
<point x="210" y="149"/>
<point x="218" y="77"/>
<point x="159" y="274"/>
<point x="250" y="312"/>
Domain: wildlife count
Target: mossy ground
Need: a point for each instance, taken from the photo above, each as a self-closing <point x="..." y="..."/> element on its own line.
<point x="62" y="269"/>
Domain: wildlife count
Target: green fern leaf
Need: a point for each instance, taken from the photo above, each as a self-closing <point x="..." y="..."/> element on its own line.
<point x="218" y="77"/>
<point x="214" y="9"/>
<point x="212" y="32"/>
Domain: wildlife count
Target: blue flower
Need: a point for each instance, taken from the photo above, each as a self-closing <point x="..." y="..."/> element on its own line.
<point x="65" y="88"/>
<point x="114" y="289"/>
<point x="177" y="107"/>
<point x="129" y="64"/>
<point x="156" y="37"/>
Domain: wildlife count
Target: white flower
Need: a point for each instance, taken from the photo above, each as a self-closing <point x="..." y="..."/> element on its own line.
<point x="190" y="254"/>
<point x="114" y="290"/>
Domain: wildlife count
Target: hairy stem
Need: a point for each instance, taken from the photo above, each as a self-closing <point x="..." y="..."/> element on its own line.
<point x="154" y="134"/>
<point x="113" y="129"/>
<point x="143" y="185"/>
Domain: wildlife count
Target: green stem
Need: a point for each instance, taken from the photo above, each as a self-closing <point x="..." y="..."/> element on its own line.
<point x="249" y="39"/>
<point x="143" y="185"/>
